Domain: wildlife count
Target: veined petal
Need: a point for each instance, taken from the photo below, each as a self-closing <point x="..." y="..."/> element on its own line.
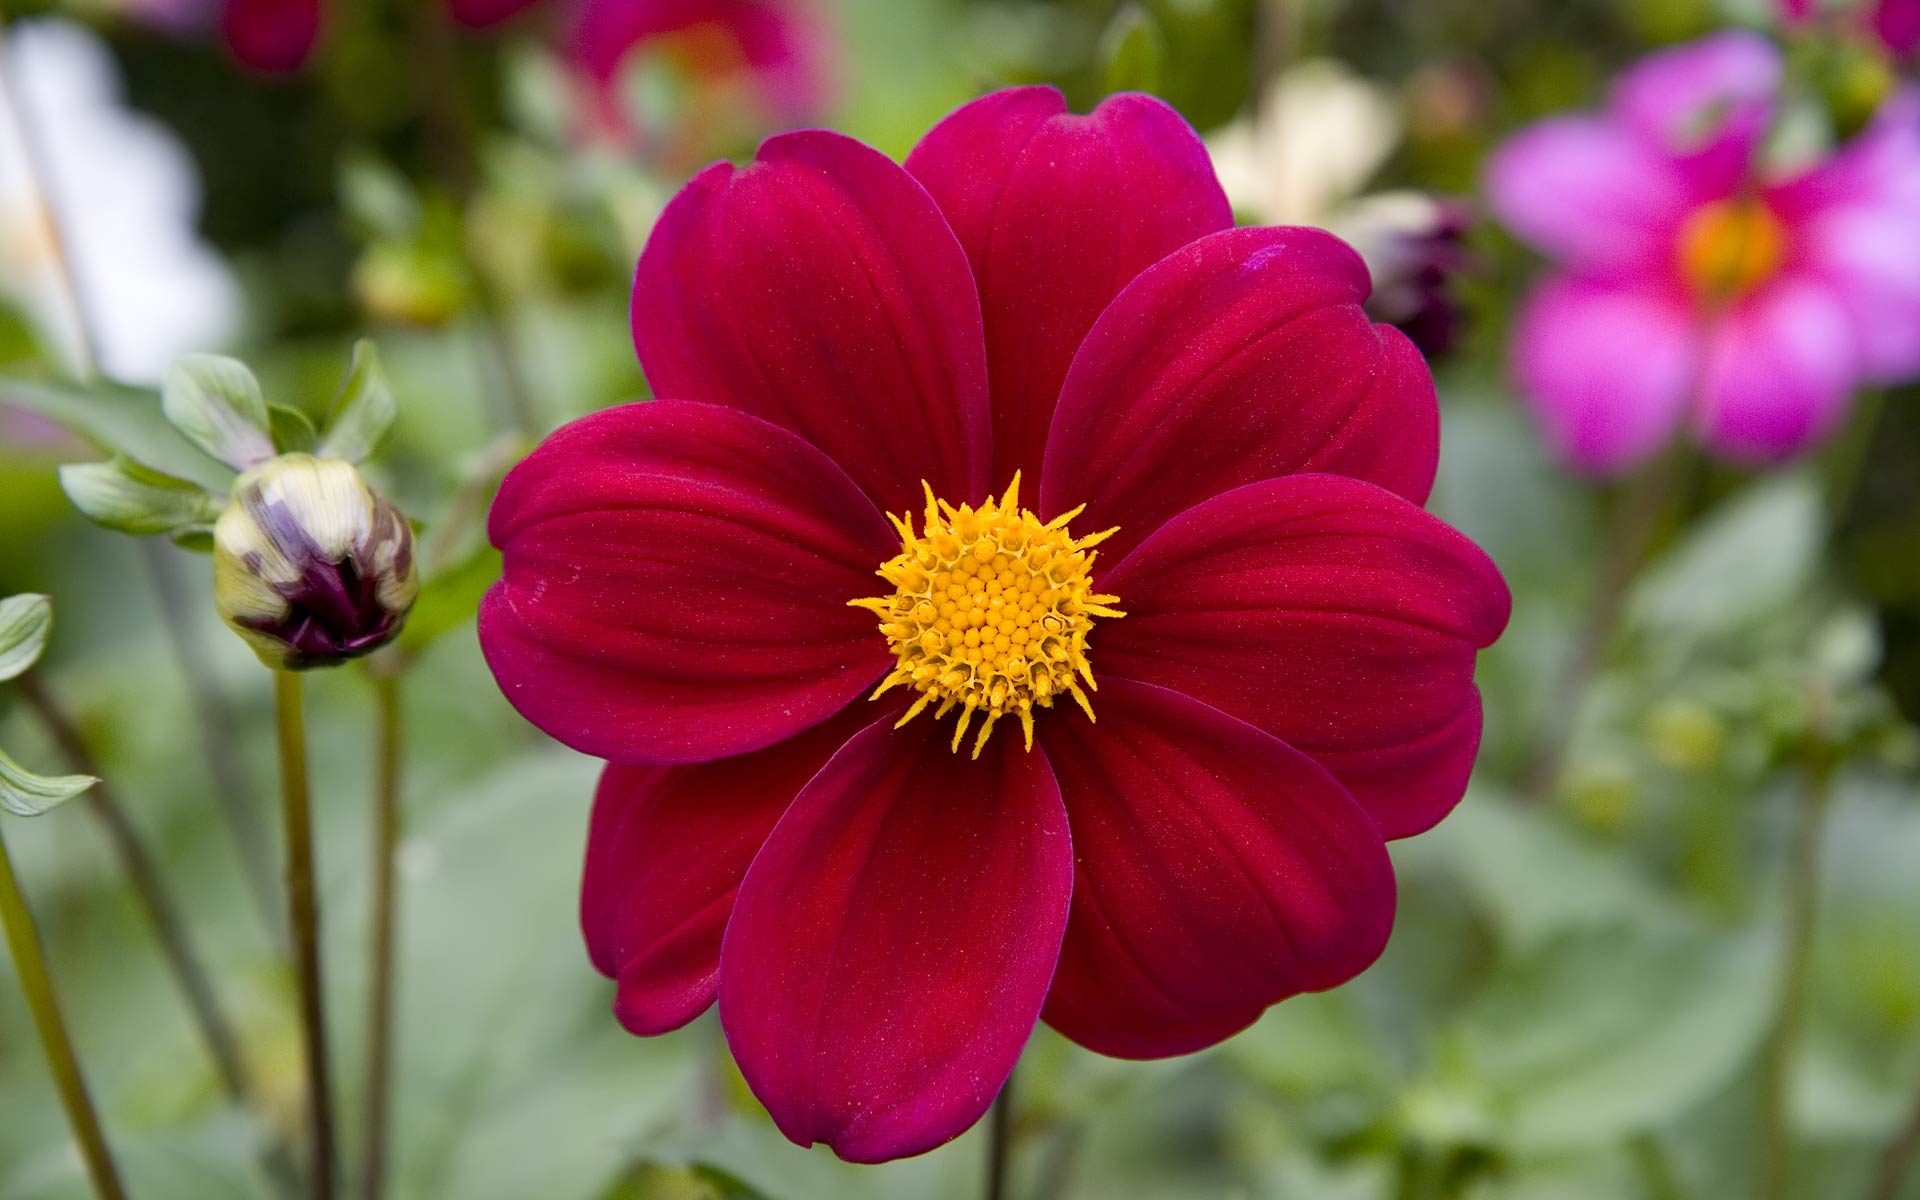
<point x="1057" y="213"/>
<point x="1332" y="614"/>
<point x="893" y="942"/>
<point x="1243" y="356"/>
<point x="820" y="289"/>
<point x="1218" y="871"/>
<point x="676" y="584"/>
<point x="666" y="851"/>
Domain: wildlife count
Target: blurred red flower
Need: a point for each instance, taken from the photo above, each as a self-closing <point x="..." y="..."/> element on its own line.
<point x="1285" y="638"/>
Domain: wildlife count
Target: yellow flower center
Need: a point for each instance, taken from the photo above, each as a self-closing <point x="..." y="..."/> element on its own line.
<point x="990" y="612"/>
<point x="1730" y="246"/>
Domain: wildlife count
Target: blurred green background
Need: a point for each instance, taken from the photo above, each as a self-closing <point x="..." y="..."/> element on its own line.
<point x="1577" y="997"/>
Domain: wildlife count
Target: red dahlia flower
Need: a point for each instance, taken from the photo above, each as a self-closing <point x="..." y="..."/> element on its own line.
<point x="1040" y="309"/>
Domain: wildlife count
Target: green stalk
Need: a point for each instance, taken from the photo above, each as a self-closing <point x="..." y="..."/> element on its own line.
<point x="1796" y="968"/>
<point x="31" y="963"/>
<point x="386" y="839"/>
<point x="303" y="918"/>
<point x="999" y="1134"/>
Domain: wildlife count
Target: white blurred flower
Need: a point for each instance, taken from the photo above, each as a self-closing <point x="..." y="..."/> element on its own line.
<point x="1318" y="134"/>
<point x="128" y="197"/>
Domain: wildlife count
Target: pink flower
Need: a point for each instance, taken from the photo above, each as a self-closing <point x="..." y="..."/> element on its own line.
<point x="272" y="35"/>
<point x="1694" y="289"/>
<point x="1896" y="23"/>
<point x="1040" y="309"/>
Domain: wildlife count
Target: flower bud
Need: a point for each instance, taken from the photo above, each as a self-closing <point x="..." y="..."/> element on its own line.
<point x="311" y="566"/>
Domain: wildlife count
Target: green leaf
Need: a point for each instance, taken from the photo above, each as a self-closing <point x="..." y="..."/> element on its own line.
<point x="365" y="410"/>
<point x="668" y="1181"/>
<point x="126" y="496"/>
<point x="1751" y="556"/>
<point x="1134" y="51"/>
<point x="25" y="622"/>
<point x="216" y="402"/>
<point x="1607" y="1033"/>
<point x="450" y="599"/>
<point x="25" y="794"/>
<point x="293" y="432"/>
<point x="119" y="420"/>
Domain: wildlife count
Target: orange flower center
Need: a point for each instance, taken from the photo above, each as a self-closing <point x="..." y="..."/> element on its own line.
<point x="990" y="612"/>
<point x="1730" y="247"/>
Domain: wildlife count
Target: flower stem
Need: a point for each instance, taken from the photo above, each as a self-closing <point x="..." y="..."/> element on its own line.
<point x="1897" y="1160"/>
<point x="386" y="838"/>
<point x="303" y="912"/>
<point x="1790" y="1005"/>
<point x="31" y="964"/>
<point x="999" y="1130"/>
<point x="1635" y="523"/>
<point x="150" y="888"/>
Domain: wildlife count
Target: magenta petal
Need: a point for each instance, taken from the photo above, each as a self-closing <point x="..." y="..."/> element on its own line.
<point x="1779" y="373"/>
<point x="1330" y="613"/>
<point x="1609" y="371"/>
<point x="1219" y="871"/>
<point x="271" y="35"/>
<point x="666" y="851"/>
<point x="1897" y="24"/>
<point x="1057" y="213"/>
<point x="676" y="583"/>
<point x="1709" y="102"/>
<point x="821" y="289"/>
<point x="1588" y="192"/>
<point x="892" y="944"/>
<point x="1240" y="357"/>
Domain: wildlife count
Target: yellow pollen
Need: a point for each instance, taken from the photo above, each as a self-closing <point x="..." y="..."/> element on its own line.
<point x="1729" y="247"/>
<point x="990" y="612"/>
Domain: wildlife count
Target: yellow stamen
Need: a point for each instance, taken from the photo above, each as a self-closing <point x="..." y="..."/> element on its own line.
<point x="1730" y="247"/>
<point x="990" y="612"/>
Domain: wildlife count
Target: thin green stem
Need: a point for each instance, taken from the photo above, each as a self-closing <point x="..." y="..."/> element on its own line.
<point x="303" y="917"/>
<point x="150" y="888"/>
<point x="999" y="1135"/>
<point x="31" y="964"/>
<point x="386" y="840"/>
<point x="1636" y="521"/>
<point x="1804" y="848"/>
<point x="1897" y="1160"/>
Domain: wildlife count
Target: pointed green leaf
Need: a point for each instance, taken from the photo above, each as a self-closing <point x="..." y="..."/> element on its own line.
<point x="365" y="410"/>
<point x="25" y="794"/>
<point x="216" y="402"/>
<point x="25" y="622"/>
<point x="126" y="496"/>
<point x="293" y="432"/>
<point x="119" y="420"/>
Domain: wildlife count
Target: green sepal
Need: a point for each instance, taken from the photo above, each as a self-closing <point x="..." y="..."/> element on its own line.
<point x="293" y="431"/>
<point x="25" y="794"/>
<point x="364" y="412"/>
<point x="217" y="403"/>
<point x="25" y="622"/>
<point x="123" y="495"/>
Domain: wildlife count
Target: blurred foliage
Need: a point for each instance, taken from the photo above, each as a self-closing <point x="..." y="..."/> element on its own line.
<point x="1575" y="998"/>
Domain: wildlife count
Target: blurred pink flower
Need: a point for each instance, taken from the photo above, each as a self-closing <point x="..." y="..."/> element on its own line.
<point x="1895" y="22"/>
<point x="1693" y="287"/>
